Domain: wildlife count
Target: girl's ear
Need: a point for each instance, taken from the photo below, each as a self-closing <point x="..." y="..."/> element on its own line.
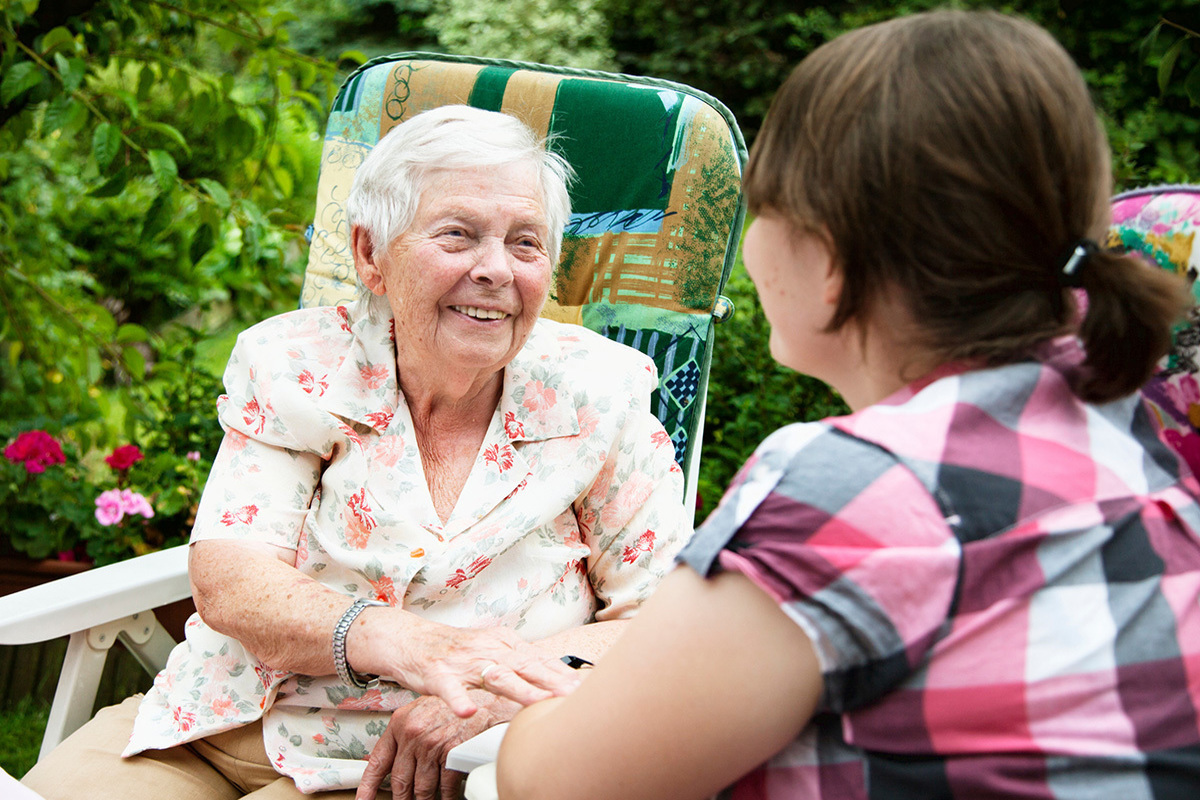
<point x="364" y="260"/>
<point x="831" y="293"/>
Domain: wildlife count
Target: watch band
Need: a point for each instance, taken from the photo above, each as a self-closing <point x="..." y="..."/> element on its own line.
<point x="575" y="662"/>
<point x="340" y="631"/>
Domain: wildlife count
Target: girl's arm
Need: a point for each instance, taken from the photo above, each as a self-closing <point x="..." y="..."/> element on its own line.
<point x="709" y="680"/>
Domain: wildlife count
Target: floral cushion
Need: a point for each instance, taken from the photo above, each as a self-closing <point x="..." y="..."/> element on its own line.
<point x="1160" y="223"/>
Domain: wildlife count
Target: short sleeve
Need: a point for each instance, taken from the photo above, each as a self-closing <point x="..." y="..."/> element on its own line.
<point x="852" y="546"/>
<point x="276" y="438"/>
<point x="632" y="517"/>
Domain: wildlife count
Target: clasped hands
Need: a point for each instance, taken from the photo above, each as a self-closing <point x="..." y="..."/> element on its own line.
<point x="470" y="679"/>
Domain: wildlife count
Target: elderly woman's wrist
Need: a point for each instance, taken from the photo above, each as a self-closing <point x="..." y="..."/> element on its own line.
<point x="344" y="654"/>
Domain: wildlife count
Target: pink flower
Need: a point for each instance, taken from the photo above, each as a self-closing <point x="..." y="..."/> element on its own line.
<point x="134" y="503"/>
<point x="539" y="397"/>
<point x="36" y="450"/>
<point x="124" y="457"/>
<point x="374" y="375"/>
<point x="193" y="455"/>
<point x="115" y="504"/>
<point x="359" y="520"/>
<point x="108" y="507"/>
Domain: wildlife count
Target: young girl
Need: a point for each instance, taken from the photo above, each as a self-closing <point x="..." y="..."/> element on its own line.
<point x="984" y="582"/>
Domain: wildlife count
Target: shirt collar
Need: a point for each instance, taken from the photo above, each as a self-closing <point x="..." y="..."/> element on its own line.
<point x="534" y="403"/>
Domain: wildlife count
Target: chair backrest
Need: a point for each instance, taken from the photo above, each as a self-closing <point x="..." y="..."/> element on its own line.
<point x="1161" y="224"/>
<point x="656" y="215"/>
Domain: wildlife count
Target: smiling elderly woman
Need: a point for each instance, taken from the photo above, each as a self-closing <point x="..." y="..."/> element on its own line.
<point x="433" y="486"/>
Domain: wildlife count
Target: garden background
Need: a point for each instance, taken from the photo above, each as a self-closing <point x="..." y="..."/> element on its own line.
<point x="158" y="167"/>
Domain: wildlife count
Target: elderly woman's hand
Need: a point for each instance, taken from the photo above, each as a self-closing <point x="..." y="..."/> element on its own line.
<point x="417" y="742"/>
<point x="445" y="661"/>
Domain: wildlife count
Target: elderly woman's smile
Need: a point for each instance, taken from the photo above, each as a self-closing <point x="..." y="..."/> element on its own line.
<point x="468" y="278"/>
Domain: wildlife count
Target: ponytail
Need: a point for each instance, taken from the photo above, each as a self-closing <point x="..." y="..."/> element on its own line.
<point x="1131" y="309"/>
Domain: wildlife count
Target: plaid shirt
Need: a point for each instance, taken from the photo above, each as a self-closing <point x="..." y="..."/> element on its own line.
<point x="1002" y="585"/>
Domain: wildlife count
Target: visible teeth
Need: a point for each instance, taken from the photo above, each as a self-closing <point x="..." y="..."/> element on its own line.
<point x="479" y="313"/>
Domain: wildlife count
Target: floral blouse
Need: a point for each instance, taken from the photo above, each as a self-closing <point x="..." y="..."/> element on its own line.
<point x="572" y="513"/>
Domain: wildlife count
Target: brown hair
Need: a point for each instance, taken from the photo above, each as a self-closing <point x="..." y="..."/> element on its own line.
<point x="952" y="159"/>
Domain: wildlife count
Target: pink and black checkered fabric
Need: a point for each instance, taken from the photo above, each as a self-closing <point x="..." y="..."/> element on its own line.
<point x="1002" y="584"/>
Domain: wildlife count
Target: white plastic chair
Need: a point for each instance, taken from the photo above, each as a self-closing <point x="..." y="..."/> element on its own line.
<point x="96" y="609"/>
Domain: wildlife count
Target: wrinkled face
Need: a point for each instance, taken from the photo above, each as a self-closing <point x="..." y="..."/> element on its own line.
<point x="797" y="286"/>
<point x="467" y="280"/>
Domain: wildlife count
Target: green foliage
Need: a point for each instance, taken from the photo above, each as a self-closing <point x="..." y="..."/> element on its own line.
<point x="157" y="167"/>
<point x="564" y="32"/>
<point x="169" y="417"/>
<point x="21" y="729"/>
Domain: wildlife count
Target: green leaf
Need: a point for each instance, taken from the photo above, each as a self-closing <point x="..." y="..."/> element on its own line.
<point x="113" y="186"/>
<point x="158" y="215"/>
<point x="357" y="56"/>
<point x="19" y="79"/>
<point x="1191" y="85"/>
<point x="235" y="136"/>
<point x="65" y="114"/>
<point x="1168" y="64"/>
<point x="217" y="192"/>
<point x="164" y="169"/>
<point x="1146" y="45"/>
<point x="134" y="361"/>
<point x="106" y="143"/>
<point x="202" y="242"/>
<point x="72" y="70"/>
<point x="130" y="102"/>
<point x="130" y="333"/>
<point x="146" y="81"/>
<point x="283" y="178"/>
<point x="55" y="38"/>
<point x="170" y="131"/>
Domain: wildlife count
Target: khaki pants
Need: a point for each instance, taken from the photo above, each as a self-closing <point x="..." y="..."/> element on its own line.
<point x="227" y="765"/>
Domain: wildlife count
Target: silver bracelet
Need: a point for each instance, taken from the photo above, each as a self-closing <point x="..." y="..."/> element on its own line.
<point x="340" y="630"/>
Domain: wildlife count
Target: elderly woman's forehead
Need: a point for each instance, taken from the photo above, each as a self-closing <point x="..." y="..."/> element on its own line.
<point x="516" y="179"/>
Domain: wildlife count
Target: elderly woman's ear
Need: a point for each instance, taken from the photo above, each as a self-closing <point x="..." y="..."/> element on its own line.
<point x="363" y="250"/>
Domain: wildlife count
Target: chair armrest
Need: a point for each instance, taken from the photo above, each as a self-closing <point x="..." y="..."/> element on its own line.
<point x="478" y="750"/>
<point x="93" y="597"/>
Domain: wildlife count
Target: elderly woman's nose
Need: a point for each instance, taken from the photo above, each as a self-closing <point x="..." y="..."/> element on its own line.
<point x="494" y="264"/>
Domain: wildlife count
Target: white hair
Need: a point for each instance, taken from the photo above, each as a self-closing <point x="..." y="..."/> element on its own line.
<point x="386" y="192"/>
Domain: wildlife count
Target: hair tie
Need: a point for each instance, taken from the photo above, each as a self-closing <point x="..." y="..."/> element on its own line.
<point x="1070" y="274"/>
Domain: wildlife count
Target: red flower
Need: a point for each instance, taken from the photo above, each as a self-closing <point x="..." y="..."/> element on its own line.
<point x="644" y="544"/>
<point x="36" y="450"/>
<point x="502" y="457"/>
<point x="124" y="457"/>
<point x="244" y="515"/>
<point x="513" y="426"/>
<point x="254" y="416"/>
<point x="380" y="420"/>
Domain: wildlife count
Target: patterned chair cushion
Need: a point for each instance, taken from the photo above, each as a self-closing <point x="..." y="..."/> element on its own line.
<point x="1160" y="223"/>
<point x="656" y="215"/>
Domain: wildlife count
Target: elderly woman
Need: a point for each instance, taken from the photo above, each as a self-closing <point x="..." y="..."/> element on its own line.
<point x="421" y="505"/>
